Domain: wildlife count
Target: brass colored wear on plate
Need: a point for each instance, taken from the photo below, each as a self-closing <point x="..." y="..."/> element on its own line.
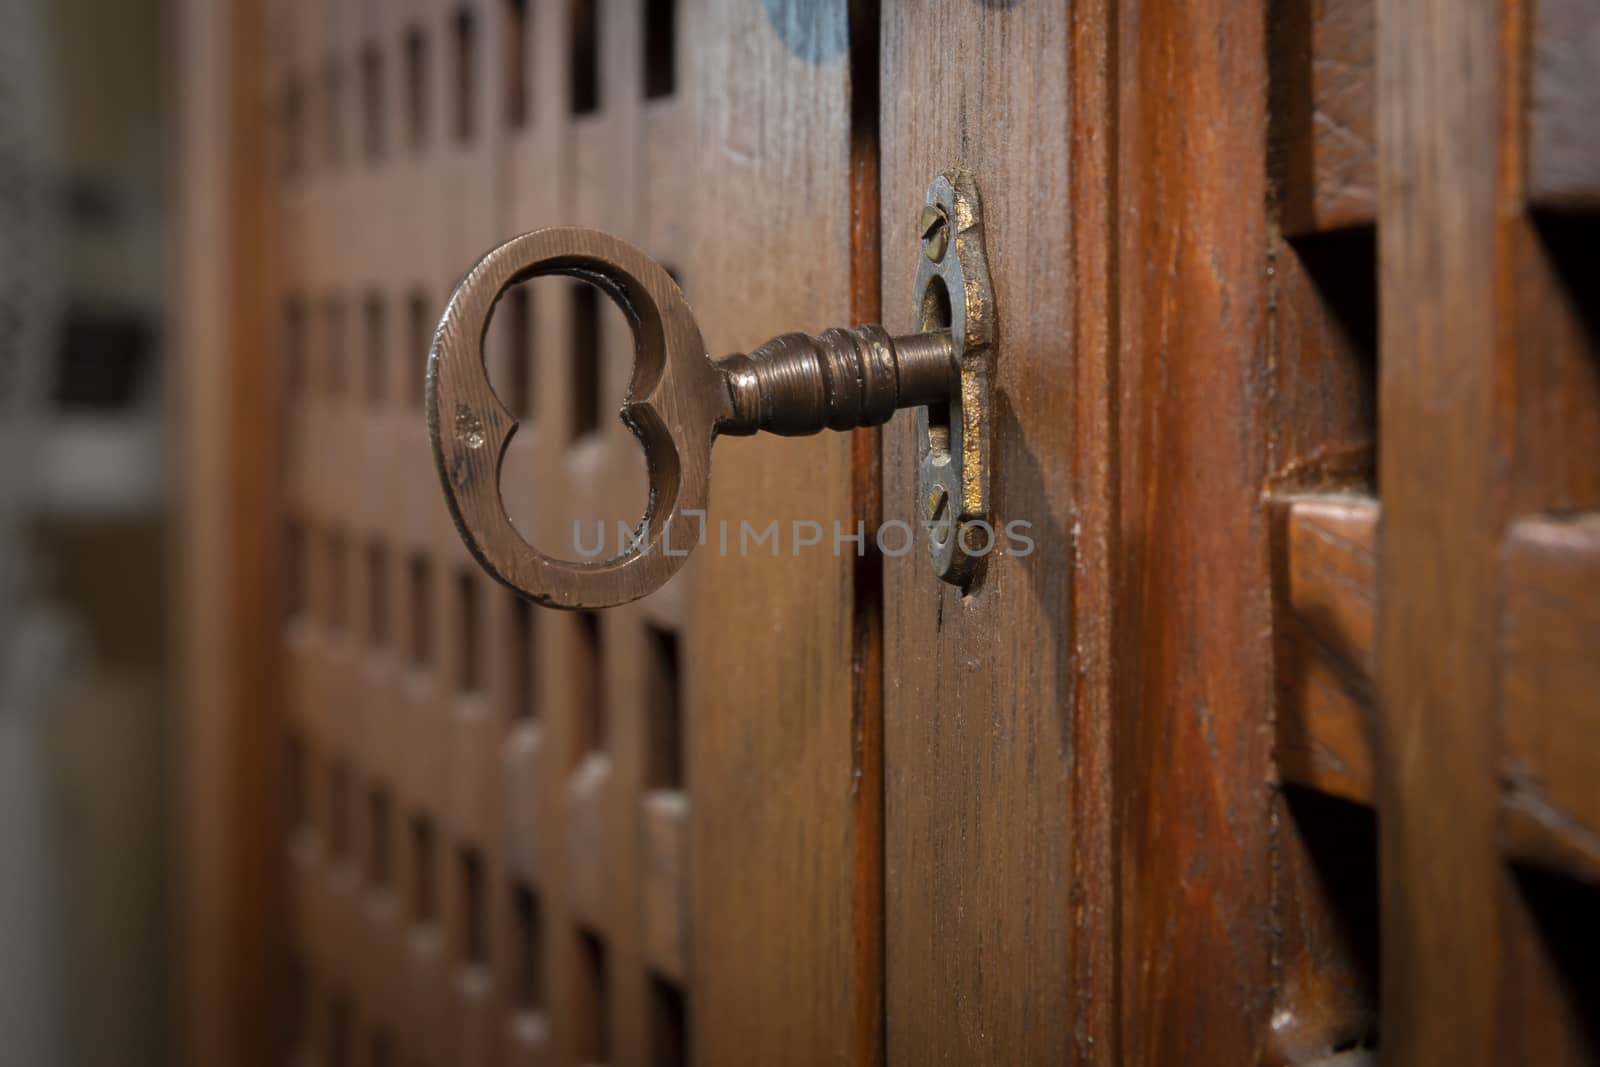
<point x="679" y="399"/>
<point x="953" y="295"/>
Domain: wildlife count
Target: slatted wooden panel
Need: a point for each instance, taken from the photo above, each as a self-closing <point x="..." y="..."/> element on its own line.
<point x="1484" y="310"/>
<point x="1391" y="632"/>
<point x="488" y="802"/>
<point x="978" y="723"/>
<point x="786" y="823"/>
<point x="1268" y="637"/>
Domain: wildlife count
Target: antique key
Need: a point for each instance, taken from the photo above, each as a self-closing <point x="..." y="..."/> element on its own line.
<point x="679" y="399"/>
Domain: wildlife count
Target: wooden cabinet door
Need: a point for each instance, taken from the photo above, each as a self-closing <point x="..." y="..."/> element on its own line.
<point x="1276" y="741"/>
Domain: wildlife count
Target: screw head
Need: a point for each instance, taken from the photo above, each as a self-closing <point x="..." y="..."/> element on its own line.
<point x="935" y="229"/>
<point x="939" y="514"/>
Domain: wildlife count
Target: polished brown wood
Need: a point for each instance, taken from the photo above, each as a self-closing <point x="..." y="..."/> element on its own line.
<point x="785" y="832"/>
<point x="1488" y="393"/>
<point x="1326" y="615"/>
<point x="1324" y="113"/>
<point x="1438" y="135"/>
<point x="978" y="726"/>
<point x="230" y="913"/>
<point x="1193" y="677"/>
<point x="1549" y="635"/>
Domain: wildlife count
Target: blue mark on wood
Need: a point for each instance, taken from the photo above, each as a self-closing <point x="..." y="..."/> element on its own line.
<point x="817" y="31"/>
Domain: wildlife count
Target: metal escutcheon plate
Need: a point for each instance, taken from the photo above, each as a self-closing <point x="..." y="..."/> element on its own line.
<point x="953" y="290"/>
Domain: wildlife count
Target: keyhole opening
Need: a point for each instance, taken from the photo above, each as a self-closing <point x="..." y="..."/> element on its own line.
<point x="936" y="315"/>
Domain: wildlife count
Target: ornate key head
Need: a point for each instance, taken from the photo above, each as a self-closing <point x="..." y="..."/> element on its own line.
<point x="676" y="398"/>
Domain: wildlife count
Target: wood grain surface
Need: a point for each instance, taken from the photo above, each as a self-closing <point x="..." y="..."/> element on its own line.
<point x="982" y="886"/>
<point x="1327" y="609"/>
<point x="784" y="951"/>
<point x="1438" y="136"/>
<point x="1549" y="635"/>
<point x="1324" y="113"/>
<point x="1487" y="397"/>
<point x="229" y="685"/>
<point x="1192" y="698"/>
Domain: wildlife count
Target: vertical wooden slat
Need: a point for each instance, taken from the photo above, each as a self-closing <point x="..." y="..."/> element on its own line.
<point x="1489" y="397"/>
<point x="1093" y="163"/>
<point x="539" y="758"/>
<point x="1438" y="115"/>
<point x="982" y="884"/>
<point x="775" y="772"/>
<point x="230" y="900"/>
<point x="1195" y="449"/>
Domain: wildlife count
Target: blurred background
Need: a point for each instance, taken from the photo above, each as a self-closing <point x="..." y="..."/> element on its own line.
<point x="225" y="233"/>
<point x="86" y="708"/>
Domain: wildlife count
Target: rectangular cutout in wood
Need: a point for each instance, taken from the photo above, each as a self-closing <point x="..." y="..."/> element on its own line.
<point x="294" y="347"/>
<point x="377" y="594"/>
<point x="375" y="319"/>
<point x="332" y="112"/>
<point x="660" y="48"/>
<point x="372" y="111"/>
<point x="583" y="57"/>
<point x="517" y="51"/>
<point x="469" y="649"/>
<point x="297" y="995"/>
<point x="416" y="74"/>
<point x="1555" y="961"/>
<point x="296" y="567"/>
<point x="588" y="688"/>
<point x="334" y="354"/>
<point x="424" y="887"/>
<point x="337" y="580"/>
<point x="528" y="987"/>
<point x="591" y="1017"/>
<point x="419" y="338"/>
<point x="664" y="717"/>
<point x="473" y="947"/>
<point x="1329" y="937"/>
<point x="297" y="785"/>
<point x="585" y="359"/>
<point x="524" y="650"/>
<point x="339" y="836"/>
<point x="669" y="1044"/>
<point x="380" y="838"/>
<point x="464" y="48"/>
<point x="516" y="306"/>
<point x="293" y="147"/>
<point x="419" y="580"/>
